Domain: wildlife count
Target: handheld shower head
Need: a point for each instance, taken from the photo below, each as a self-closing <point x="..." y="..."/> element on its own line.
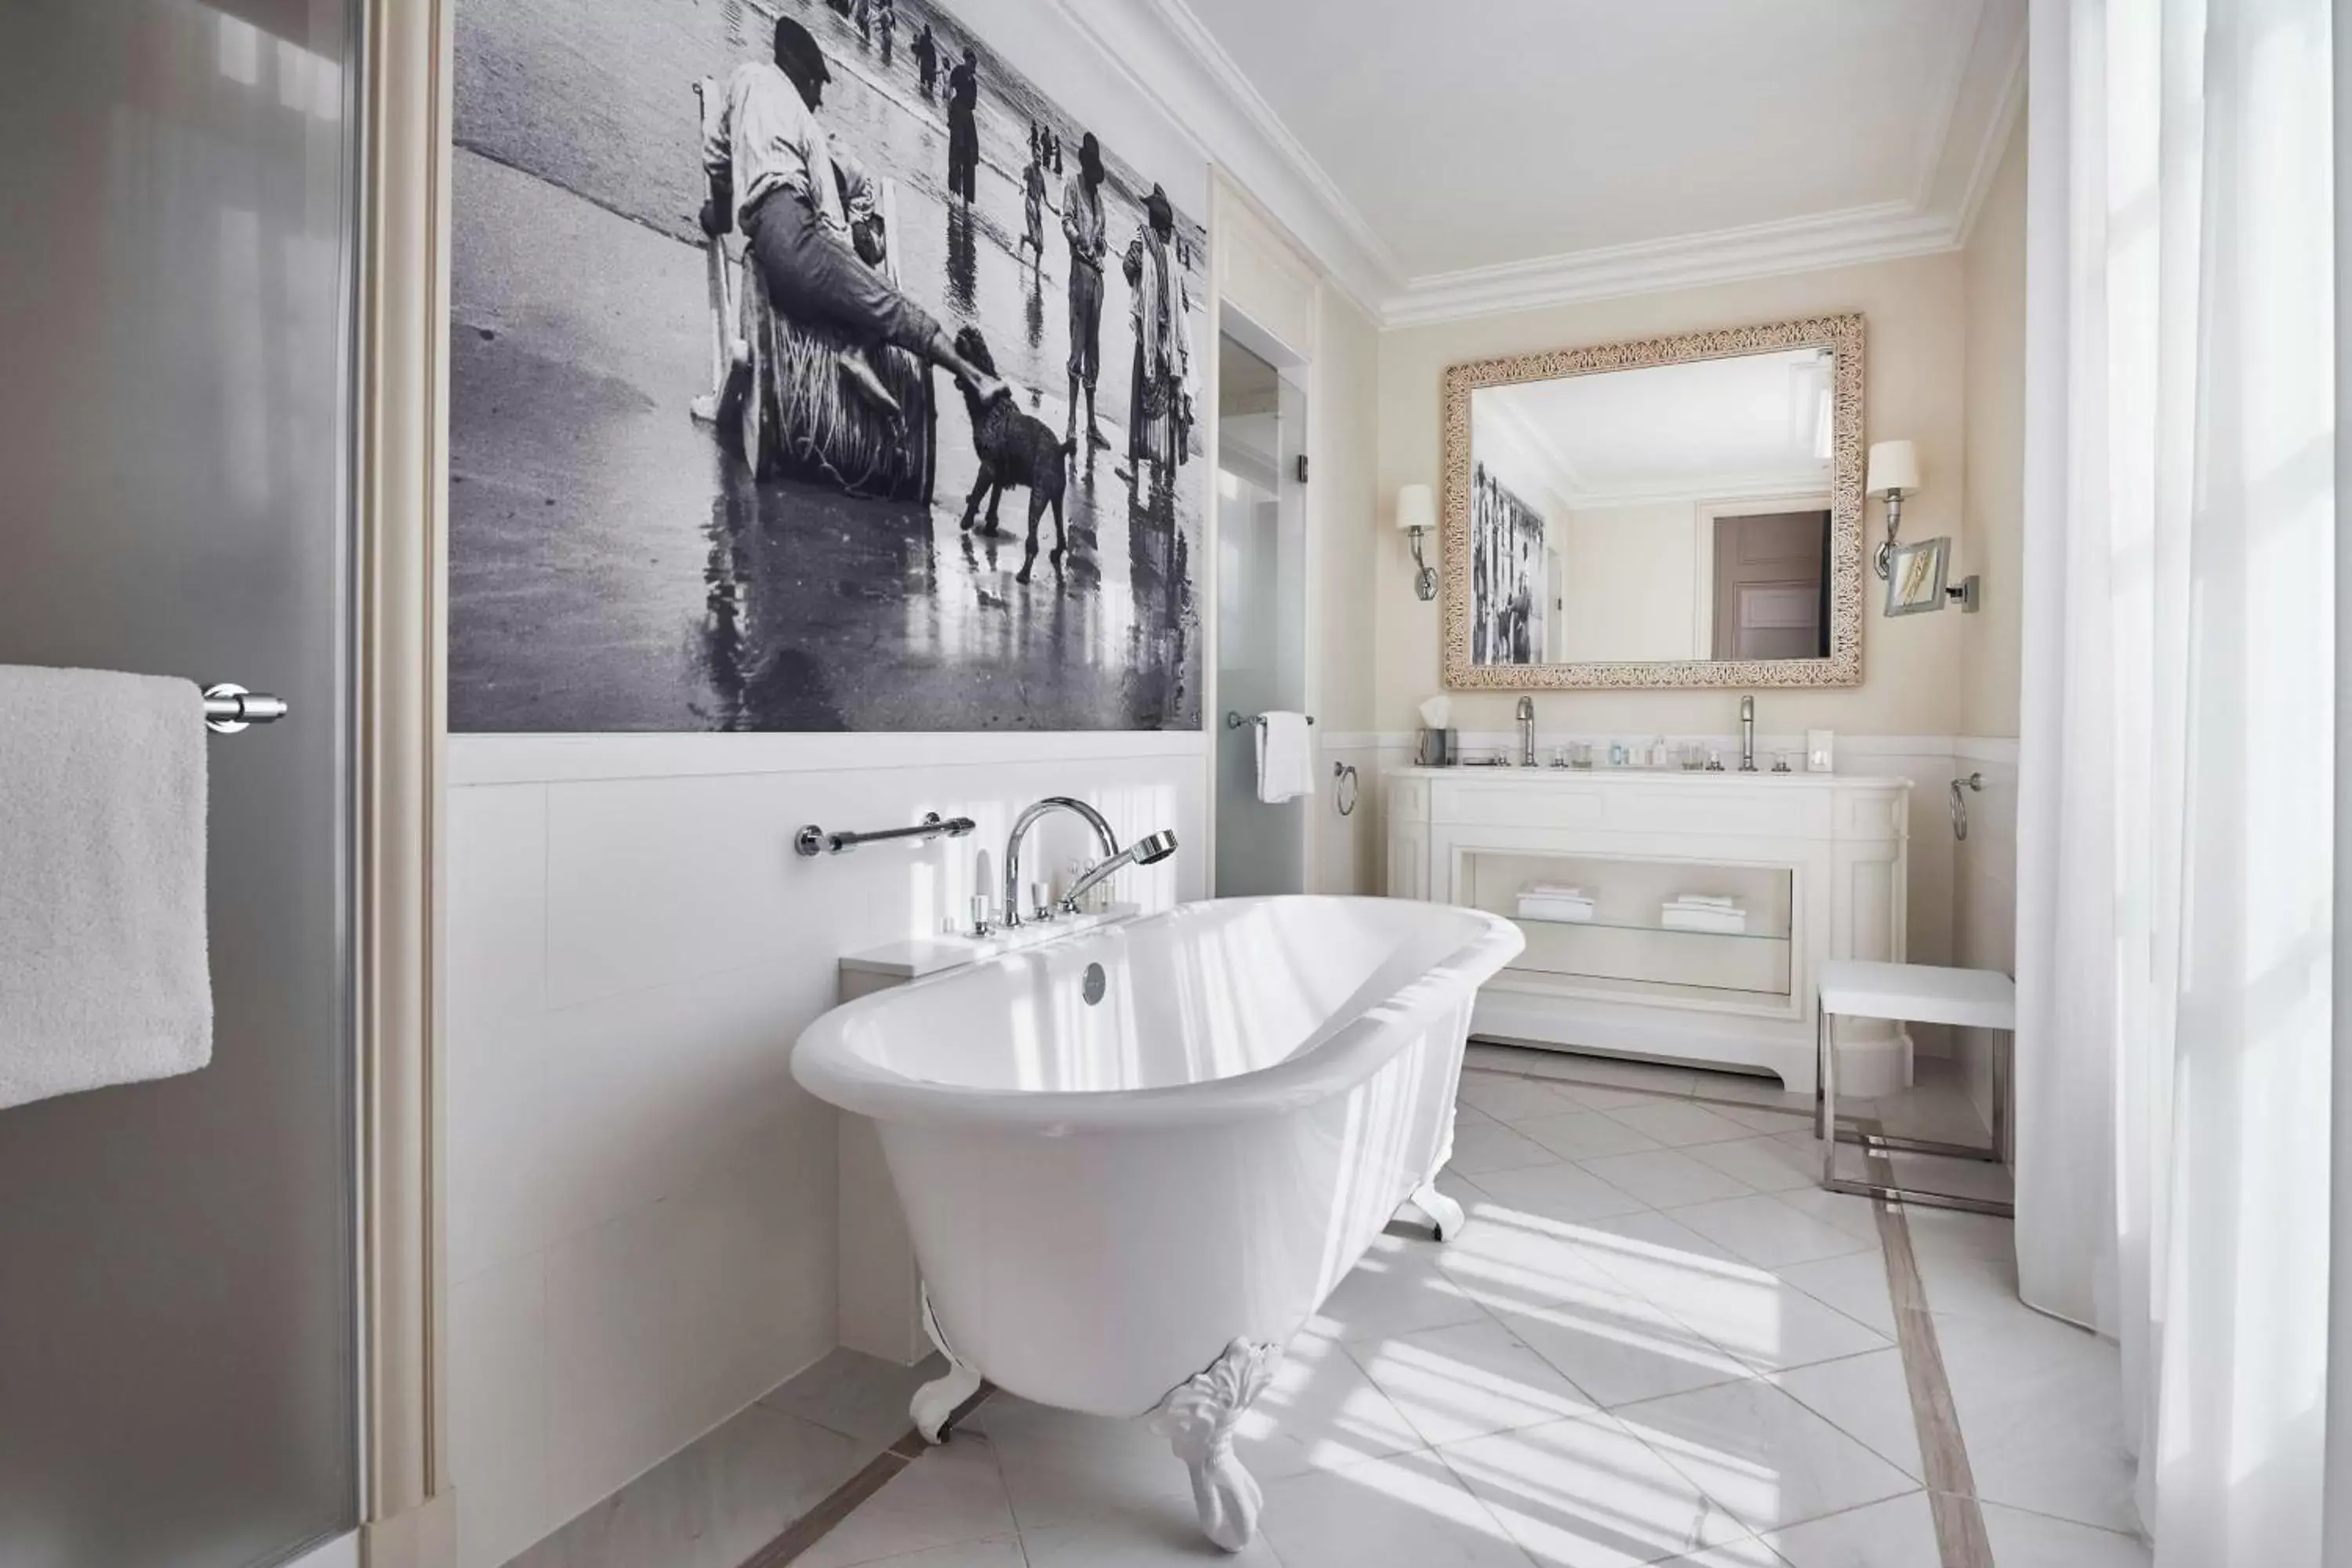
<point x="1154" y="847"/>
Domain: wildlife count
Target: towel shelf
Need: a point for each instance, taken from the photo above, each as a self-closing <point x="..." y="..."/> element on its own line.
<point x="229" y="708"/>
<point x="1235" y="721"/>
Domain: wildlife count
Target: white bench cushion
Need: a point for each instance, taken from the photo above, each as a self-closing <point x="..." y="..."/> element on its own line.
<point x="1919" y="993"/>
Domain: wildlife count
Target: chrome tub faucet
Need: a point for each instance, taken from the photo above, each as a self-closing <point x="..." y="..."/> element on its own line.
<point x="1149" y="848"/>
<point x="1748" y="734"/>
<point x="1526" y="731"/>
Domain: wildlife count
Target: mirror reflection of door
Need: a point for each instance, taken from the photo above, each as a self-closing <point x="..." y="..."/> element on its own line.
<point x="1771" y="585"/>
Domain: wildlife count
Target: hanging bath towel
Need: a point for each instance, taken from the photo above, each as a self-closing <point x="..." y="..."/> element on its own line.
<point x="103" y="977"/>
<point x="1285" y="765"/>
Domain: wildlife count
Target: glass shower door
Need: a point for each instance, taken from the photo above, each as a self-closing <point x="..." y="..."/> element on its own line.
<point x="1261" y="613"/>
<point x="178" y="1386"/>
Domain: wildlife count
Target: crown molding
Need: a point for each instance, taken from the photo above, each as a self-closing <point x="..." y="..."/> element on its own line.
<point x="1172" y="60"/>
<point x="1885" y="232"/>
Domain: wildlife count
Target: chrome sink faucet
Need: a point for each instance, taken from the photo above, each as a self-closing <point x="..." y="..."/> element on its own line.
<point x="1144" y="851"/>
<point x="1526" y="731"/>
<point x="1748" y="734"/>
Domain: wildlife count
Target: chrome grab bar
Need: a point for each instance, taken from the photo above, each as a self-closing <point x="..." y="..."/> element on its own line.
<point x="229" y="708"/>
<point x="813" y="840"/>
<point x="1235" y="721"/>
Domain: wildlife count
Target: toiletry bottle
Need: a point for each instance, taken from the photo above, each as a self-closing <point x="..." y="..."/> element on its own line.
<point x="1616" y="754"/>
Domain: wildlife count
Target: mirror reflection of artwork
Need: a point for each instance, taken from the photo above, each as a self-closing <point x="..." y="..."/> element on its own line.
<point x="1507" y="575"/>
<point x="1683" y="511"/>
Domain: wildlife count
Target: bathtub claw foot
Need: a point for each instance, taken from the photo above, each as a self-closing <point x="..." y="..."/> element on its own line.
<point x="1446" y="1215"/>
<point x="1197" y="1418"/>
<point x="935" y="1404"/>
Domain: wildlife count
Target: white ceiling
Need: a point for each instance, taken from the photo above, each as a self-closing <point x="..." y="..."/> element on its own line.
<point x="1448" y="160"/>
<point x="1741" y="428"/>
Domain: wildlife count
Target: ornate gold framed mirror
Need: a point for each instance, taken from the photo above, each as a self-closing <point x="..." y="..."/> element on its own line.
<point x="1675" y="511"/>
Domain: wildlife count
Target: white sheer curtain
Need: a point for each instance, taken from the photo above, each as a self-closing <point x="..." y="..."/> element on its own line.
<point x="2176" y="829"/>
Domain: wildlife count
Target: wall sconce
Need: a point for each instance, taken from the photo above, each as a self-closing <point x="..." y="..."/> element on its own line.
<point x="1893" y="474"/>
<point x="1417" y="515"/>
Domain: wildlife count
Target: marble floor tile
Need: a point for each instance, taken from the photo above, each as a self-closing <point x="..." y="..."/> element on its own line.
<point x="1581" y="1134"/>
<point x="1766" y="1163"/>
<point x="1400" y="1286"/>
<point x="1778" y="1115"/>
<point x="1899" y="1532"/>
<point x="1168" y="1537"/>
<point x="1767" y="1323"/>
<point x="1409" y="1512"/>
<point x="856" y="1394"/>
<point x="2021" y="1540"/>
<point x="963" y="1554"/>
<point x="1467" y="1380"/>
<point x="1588" y="1493"/>
<point x="1854" y="1215"/>
<point x="1854" y="1283"/>
<point x="1678" y="1124"/>
<point x="1868" y="1398"/>
<point x="1064" y="1470"/>
<point x="950" y="1495"/>
<point x="1558" y="1190"/>
<point x="1509" y="1099"/>
<point x="1618" y="1348"/>
<point x="2040" y="1404"/>
<point x="1666" y="1178"/>
<point x="1321" y="1413"/>
<point x="1768" y="1231"/>
<point x="1478" y="1149"/>
<point x="1767" y="1459"/>
<point x="1751" y="1552"/>
<point x="713" y="1503"/>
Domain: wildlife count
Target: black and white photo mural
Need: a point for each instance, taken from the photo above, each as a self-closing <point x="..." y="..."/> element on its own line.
<point x="810" y="370"/>
<point x="1507" y="591"/>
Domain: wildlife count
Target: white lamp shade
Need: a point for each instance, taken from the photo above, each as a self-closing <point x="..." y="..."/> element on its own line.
<point x="1416" y="508"/>
<point x="1894" y="465"/>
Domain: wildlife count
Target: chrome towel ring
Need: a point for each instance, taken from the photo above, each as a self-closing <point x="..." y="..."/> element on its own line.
<point x="1961" y="804"/>
<point x="1345" y="792"/>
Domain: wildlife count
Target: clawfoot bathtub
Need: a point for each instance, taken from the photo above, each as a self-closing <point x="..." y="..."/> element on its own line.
<point x="1134" y="1161"/>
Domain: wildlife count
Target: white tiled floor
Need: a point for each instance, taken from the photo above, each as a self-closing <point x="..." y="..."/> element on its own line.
<point x="1655" y="1342"/>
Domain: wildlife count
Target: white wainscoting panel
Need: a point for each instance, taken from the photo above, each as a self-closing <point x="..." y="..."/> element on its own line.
<point x="643" y="1204"/>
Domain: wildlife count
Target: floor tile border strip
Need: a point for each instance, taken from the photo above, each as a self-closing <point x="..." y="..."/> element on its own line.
<point x="1960" y="1538"/>
<point x="852" y="1494"/>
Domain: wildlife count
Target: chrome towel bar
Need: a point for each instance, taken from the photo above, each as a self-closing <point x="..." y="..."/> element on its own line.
<point x="229" y="708"/>
<point x="1235" y="721"/>
<point x="813" y="840"/>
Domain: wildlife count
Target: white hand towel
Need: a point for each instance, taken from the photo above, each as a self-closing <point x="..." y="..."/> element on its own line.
<point x="103" y="977"/>
<point x="1286" y="764"/>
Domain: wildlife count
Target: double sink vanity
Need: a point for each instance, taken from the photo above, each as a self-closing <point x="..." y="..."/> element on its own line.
<point x="1670" y="514"/>
<point x="1815" y="862"/>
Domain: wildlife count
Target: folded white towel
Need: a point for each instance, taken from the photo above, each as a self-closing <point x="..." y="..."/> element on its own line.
<point x="1550" y="890"/>
<point x="102" y="969"/>
<point x="1705" y="900"/>
<point x="1723" y="922"/>
<point x="1286" y="763"/>
<point x="1533" y="907"/>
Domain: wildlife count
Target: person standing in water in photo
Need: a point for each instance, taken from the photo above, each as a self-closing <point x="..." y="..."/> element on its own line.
<point x="1159" y="411"/>
<point x="1081" y="225"/>
<point x="1034" y="203"/>
<point x="963" y="126"/>
<point x="889" y="24"/>
<point x="927" y="59"/>
<point x="775" y="174"/>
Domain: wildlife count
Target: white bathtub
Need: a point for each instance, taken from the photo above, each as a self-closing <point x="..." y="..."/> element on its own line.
<point x="1135" y="1162"/>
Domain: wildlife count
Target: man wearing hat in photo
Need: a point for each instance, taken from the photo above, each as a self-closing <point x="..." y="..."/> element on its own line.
<point x="774" y="173"/>
<point x="1081" y="225"/>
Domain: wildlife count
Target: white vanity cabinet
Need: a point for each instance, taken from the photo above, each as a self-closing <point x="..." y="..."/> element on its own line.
<point x="1815" y="861"/>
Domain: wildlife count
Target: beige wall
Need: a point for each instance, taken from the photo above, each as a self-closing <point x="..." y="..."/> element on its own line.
<point x="1992" y="542"/>
<point x="1632" y="588"/>
<point x="1916" y="364"/>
